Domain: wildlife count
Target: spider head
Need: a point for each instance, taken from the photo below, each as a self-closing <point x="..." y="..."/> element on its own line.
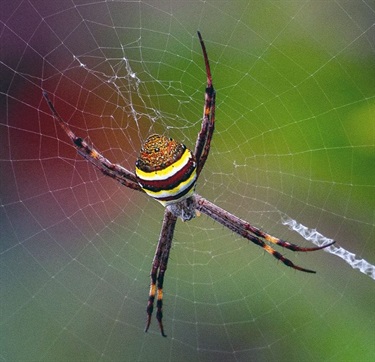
<point x="184" y="209"/>
<point x="166" y="171"/>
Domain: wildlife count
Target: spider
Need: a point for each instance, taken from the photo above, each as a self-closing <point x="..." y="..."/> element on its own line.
<point x="168" y="171"/>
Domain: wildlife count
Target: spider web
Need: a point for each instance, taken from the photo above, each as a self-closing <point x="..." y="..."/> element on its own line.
<point x="293" y="151"/>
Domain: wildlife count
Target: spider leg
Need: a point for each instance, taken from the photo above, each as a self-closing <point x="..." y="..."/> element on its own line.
<point x="159" y="266"/>
<point x="203" y="143"/>
<point x="280" y="242"/>
<point x="246" y="230"/>
<point x="119" y="173"/>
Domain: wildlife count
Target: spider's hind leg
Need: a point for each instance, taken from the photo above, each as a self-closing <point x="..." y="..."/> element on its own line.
<point x="114" y="170"/>
<point x="203" y="142"/>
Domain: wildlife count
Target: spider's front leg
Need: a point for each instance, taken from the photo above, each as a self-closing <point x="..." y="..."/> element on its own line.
<point x="159" y="266"/>
<point x="255" y="235"/>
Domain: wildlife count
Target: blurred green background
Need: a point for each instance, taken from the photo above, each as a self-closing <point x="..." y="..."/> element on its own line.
<point x="294" y="137"/>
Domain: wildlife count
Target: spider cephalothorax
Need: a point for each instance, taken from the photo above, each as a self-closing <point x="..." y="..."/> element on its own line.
<point x="167" y="171"/>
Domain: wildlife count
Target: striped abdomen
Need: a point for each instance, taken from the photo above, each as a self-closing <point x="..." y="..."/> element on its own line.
<point x="166" y="170"/>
